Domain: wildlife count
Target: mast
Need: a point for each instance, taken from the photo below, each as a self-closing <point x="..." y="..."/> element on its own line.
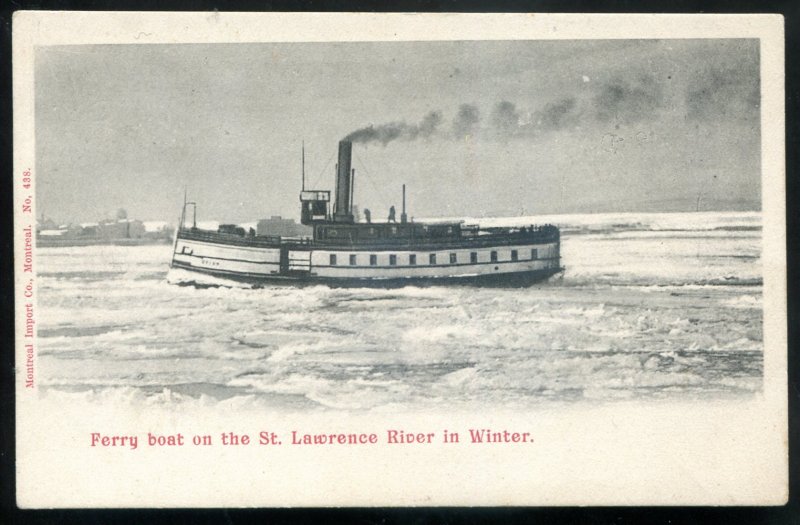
<point x="403" y="216"/>
<point x="303" y="164"/>
<point x="183" y="210"/>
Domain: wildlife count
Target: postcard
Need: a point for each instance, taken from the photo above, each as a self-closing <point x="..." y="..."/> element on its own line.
<point x="305" y="259"/>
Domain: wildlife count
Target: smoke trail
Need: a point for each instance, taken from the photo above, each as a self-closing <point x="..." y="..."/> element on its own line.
<point x="728" y="93"/>
<point x="505" y="122"/>
<point x="386" y="133"/>
<point x="556" y="115"/>
<point x="466" y="121"/>
<point x="506" y="119"/>
<point x="628" y="100"/>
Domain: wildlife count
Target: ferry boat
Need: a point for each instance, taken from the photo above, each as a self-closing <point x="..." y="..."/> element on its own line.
<point x="344" y="252"/>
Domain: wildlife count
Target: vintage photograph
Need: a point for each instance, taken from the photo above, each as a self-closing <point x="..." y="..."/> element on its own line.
<point x="513" y="222"/>
<point x="345" y="233"/>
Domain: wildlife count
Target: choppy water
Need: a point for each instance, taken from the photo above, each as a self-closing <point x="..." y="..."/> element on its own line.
<point x="651" y="305"/>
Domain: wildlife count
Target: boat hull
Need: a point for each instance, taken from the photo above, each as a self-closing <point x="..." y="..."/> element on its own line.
<point x="522" y="279"/>
<point x="508" y="262"/>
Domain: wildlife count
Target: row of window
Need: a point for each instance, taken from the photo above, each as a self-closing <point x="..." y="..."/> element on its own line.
<point x="412" y="258"/>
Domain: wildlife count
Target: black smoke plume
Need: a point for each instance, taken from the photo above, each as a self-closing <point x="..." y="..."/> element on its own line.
<point x="386" y="133"/>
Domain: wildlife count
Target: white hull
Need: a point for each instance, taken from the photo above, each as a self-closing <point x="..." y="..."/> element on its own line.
<point x="338" y="265"/>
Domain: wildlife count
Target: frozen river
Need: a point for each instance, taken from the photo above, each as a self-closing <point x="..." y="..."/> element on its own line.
<point x="651" y="305"/>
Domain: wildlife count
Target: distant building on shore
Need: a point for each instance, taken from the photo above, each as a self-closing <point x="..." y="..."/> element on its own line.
<point x="121" y="230"/>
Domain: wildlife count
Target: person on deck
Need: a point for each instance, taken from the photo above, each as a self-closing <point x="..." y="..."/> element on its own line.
<point x="391" y="214"/>
<point x="368" y="215"/>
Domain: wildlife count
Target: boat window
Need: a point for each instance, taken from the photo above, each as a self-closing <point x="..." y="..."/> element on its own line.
<point x="493" y="256"/>
<point x="432" y="258"/>
<point x="453" y="258"/>
<point x="373" y="260"/>
<point x="412" y="259"/>
<point x="534" y="254"/>
<point x="393" y="260"/>
<point x="473" y="257"/>
<point x="352" y="259"/>
<point x="318" y="207"/>
<point x="333" y="259"/>
<point x="514" y="255"/>
<point x="394" y="230"/>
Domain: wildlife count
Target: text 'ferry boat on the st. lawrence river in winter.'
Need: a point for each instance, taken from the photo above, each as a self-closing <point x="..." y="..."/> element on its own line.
<point x="343" y="252"/>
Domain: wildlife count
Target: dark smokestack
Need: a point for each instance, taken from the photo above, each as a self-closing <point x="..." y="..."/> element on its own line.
<point x="343" y="183"/>
<point x="352" y="187"/>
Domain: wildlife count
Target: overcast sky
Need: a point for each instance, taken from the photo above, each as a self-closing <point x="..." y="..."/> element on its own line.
<point x="473" y="128"/>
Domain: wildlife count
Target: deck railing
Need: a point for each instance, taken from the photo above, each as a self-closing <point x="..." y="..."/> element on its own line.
<point x="263" y="241"/>
<point x="468" y="238"/>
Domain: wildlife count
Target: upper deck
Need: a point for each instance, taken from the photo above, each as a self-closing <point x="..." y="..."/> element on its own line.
<point x="386" y="236"/>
